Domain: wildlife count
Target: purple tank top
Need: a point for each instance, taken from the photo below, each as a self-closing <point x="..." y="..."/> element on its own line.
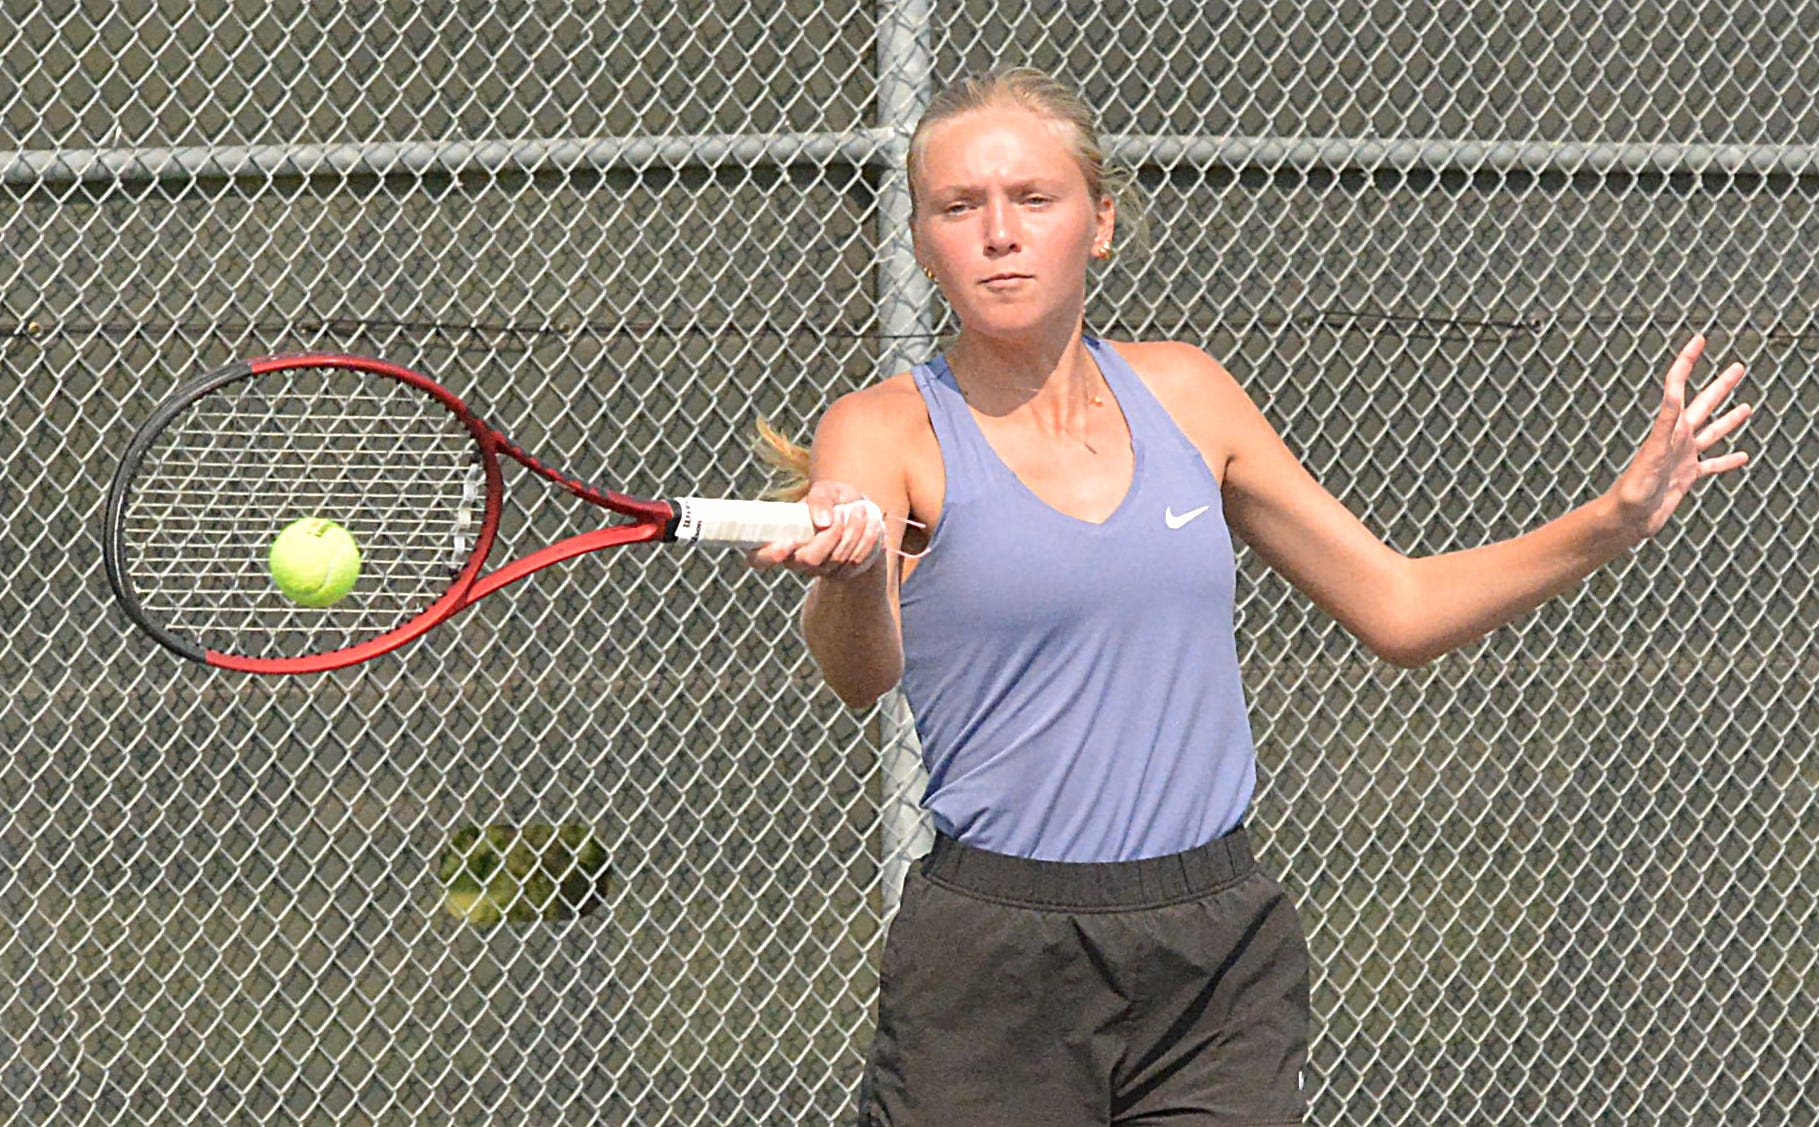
<point x="1075" y="685"/>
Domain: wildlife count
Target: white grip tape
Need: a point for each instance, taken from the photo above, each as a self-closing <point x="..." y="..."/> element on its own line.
<point x="752" y="524"/>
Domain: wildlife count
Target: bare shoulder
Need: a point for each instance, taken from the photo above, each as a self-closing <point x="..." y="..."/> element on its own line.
<point x="878" y="438"/>
<point x="889" y="409"/>
<point x="1176" y="367"/>
<point x="1198" y="393"/>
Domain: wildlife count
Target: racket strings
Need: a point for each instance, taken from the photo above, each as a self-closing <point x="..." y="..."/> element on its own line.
<point x="387" y="462"/>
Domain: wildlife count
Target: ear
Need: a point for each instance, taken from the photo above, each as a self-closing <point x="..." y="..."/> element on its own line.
<point x="916" y="248"/>
<point x="1105" y="222"/>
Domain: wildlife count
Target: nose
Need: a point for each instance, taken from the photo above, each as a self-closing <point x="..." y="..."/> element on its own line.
<point x="1001" y="230"/>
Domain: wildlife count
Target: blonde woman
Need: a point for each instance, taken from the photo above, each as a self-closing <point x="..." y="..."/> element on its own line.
<point x="1090" y="940"/>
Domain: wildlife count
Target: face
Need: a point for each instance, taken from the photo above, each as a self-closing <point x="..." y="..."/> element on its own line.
<point x="1005" y="220"/>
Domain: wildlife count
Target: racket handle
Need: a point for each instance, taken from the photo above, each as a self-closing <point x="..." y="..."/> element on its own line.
<point x="749" y="524"/>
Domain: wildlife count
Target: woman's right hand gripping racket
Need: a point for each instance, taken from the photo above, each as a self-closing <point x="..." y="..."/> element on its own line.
<point x="234" y="457"/>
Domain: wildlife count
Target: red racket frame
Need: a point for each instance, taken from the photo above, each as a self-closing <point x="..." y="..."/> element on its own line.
<point x="651" y="519"/>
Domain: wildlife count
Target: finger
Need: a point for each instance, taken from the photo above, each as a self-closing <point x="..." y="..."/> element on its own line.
<point x="852" y="519"/>
<point x="814" y="552"/>
<point x="858" y="567"/>
<point x="858" y="508"/>
<point x="770" y="555"/>
<point x="841" y="553"/>
<point x="829" y="501"/>
<point x="857" y="561"/>
<point x="852" y="554"/>
<point x="1707" y="401"/>
<point x="867" y="511"/>
<point x="857" y="529"/>
<point x="1682" y="370"/>
<point x="870" y="544"/>
<point x="1725" y="464"/>
<point x="823" y="502"/>
<point x="1724" y="425"/>
<point x="837" y="571"/>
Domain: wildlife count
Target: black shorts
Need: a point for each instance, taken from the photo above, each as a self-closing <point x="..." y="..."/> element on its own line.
<point x="1017" y="993"/>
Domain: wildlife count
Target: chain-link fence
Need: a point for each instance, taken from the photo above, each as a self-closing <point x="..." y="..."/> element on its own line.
<point x="1566" y="875"/>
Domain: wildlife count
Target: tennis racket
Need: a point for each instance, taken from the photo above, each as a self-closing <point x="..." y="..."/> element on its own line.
<point x="233" y="456"/>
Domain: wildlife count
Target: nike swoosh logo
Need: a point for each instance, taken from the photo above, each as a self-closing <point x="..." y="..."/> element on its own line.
<point x="1169" y="518"/>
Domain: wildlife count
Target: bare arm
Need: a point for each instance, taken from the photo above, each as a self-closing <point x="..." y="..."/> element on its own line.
<point x="1410" y="611"/>
<point x="850" y="618"/>
<point x="1456" y="598"/>
<point x="1460" y="596"/>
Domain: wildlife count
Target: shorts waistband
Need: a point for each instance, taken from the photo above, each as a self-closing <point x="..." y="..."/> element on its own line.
<point x="1091" y="884"/>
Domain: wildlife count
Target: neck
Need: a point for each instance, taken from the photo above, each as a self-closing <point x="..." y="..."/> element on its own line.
<point x="1056" y="375"/>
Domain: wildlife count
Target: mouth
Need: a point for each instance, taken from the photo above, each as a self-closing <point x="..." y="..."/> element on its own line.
<point x="999" y="279"/>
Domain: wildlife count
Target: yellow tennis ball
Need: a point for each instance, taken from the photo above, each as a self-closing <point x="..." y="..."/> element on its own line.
<point x="315" y="561"/>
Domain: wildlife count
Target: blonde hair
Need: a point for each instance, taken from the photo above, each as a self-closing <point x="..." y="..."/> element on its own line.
<point x="1025" y="88"/>
<point x="1046" y="96"/>
<point x="776" y="450"/>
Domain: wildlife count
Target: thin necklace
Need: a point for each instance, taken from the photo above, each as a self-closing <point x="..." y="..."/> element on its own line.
<point x="1097" y="401"/>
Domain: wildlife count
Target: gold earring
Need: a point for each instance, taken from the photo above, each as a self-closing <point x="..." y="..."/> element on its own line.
<point x="928" y="273"/>
<point x="1103" y="252"/>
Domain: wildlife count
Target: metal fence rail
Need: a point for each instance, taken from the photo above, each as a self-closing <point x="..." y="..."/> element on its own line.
<point x="1566" y="875"/>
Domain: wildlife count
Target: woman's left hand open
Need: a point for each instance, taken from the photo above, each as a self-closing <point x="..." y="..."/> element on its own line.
<point x="1672" y="458"/>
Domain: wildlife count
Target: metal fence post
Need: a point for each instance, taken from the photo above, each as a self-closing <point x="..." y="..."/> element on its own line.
<point x="904" y="62"/>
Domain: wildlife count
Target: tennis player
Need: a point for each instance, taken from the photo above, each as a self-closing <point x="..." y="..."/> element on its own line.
<point x="1090" y="940"/>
